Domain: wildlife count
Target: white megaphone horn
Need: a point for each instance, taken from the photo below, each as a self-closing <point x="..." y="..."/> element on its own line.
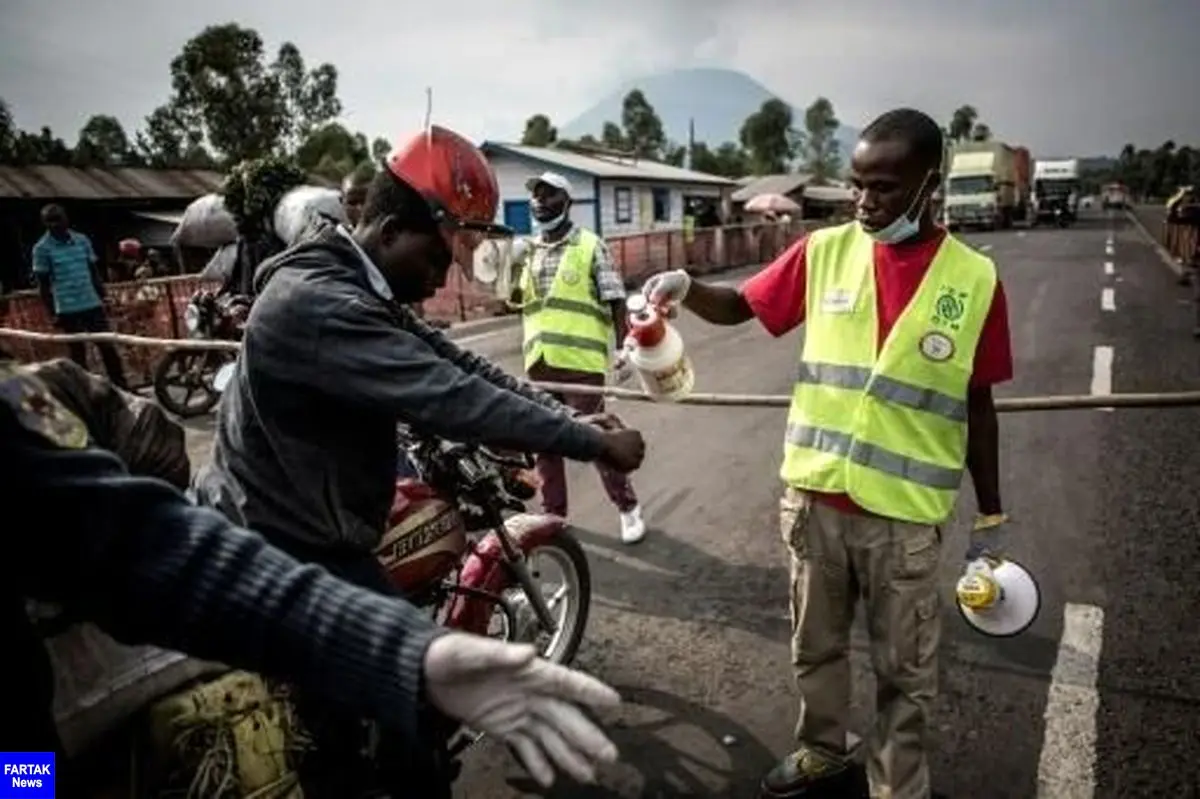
<point x="998" y="597"/>
<point x="497" y="263"/>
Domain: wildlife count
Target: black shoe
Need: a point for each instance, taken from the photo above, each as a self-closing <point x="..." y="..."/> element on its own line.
<point x="806" y="774"/>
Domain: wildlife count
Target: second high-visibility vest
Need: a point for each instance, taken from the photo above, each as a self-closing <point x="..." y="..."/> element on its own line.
<point x="887" y="426"/>
<point x="568" y="328"/>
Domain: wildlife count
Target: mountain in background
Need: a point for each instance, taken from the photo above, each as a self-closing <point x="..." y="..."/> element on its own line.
<point x="718" y="100"/>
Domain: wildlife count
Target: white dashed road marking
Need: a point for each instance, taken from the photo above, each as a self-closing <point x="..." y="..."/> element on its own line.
<point x="1067" y="766"/>
<point x="1102" y="363"/>
<point x="1108" y="300"/>
<point x="1109" y="268"/>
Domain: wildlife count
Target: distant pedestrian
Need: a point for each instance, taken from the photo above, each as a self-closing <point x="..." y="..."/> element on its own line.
<point x="68" y="275"/>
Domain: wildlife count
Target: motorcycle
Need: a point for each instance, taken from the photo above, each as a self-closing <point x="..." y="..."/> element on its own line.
<point x="208" y="316"/>
<point x="460" y="542"/>
<point x="1061" y="217"/>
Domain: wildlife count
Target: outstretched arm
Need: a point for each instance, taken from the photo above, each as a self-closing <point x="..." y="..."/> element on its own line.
<point x="365" y="360"/>
<point x="133" y="556"/>
<point x="477" y="365"/>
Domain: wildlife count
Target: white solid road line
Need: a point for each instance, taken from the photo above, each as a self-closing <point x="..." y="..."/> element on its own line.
<point x="1067" y="766"/>
<point x="1109" y="268"/>
<point x="1102" y="363"/>
<point x="1108" y="300"/>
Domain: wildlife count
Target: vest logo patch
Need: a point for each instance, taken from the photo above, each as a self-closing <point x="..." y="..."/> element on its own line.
<point x="936" y="346"/>
<point x="570" y="276"/>
<point x="837" y="301"/>
<point x="950" y="306"/>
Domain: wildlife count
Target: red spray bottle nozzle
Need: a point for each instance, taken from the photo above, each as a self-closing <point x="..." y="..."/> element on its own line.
<point x="647" y="326"/>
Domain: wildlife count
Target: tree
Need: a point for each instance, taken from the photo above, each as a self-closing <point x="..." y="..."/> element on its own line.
<point x="611" y="136"/>
<point x="310" y="97"/>
<point x="962" y="123"/>
<point x="768" y="137"/>
<point x="539" y="132"/>
<point x="8" y="133"/>
<point x="981" y="132"/>
<point x="167" y="142"/>
<point x="380" y="148"/>
<point x="729" y="160"/>
<point x="818" y="143"/>
<point x="223" y="88"/>
<point x="103" y="142"/>
<point x="674" y="154"/>
<point x="41" y="148"/>
<point x="642" y="127"/>
<point x="333" y="152"/>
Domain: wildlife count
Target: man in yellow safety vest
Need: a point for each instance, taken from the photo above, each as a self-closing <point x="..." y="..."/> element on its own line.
<point x="572" y="298"/>
<point x="906" y="331"/>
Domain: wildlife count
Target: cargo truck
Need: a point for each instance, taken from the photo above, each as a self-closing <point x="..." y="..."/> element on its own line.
<point x="1055" y="185"/>
<point x="987" y="185"/>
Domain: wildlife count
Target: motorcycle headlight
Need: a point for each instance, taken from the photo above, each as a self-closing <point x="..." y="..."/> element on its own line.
<point x="191" y="319"/>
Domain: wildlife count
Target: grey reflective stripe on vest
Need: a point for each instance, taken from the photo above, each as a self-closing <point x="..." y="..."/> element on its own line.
<point x="874" y="457"/>
<point x="571" y="306"/>
<point x="567" y="341"/>
<point x="884" y="388"/>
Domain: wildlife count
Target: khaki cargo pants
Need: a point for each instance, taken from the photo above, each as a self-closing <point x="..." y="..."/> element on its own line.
<point x="835" y="559"/>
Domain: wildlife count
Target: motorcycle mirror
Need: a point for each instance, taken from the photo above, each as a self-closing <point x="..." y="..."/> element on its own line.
<point x="223" y="376"/>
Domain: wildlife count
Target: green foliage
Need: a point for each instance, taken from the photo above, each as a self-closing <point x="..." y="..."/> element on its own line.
<point x="728" y="160"/>
<point x="768" y="138"/>
<point x="818" y="144"/>
<point x="103" y="142"/>
<point x="254" y="187"/>
<point x="641" y="125"/>
<point x="539" y="132"/>
<point x="1155" y="174"/>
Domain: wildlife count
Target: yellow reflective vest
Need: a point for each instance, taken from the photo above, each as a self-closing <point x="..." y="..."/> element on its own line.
<point x="887" y="426"/>
<point x="569" y="328"/>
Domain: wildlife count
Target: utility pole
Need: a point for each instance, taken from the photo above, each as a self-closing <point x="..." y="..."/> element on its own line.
<point x="691" y="142"/>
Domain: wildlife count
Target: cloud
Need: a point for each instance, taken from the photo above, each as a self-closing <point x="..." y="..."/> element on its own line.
<point x="1042" y="73"/>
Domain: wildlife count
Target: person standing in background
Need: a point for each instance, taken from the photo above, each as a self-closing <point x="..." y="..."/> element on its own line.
<point x="573" y="298"/>
<point x="1185" y="211"/>
<point x="68" y="276"/>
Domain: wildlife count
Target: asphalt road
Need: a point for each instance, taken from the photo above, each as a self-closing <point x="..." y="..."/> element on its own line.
<point x="1099" y="698"/>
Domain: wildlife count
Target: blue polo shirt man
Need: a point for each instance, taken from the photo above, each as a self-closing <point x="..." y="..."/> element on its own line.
<point x="68" y="276"/>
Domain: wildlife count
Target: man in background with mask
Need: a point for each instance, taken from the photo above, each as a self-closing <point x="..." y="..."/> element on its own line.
<point x="573" y="298"/>
<point x="906" y="333"/>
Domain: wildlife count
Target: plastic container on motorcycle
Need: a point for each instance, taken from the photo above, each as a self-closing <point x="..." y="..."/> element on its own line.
<point x="484" y="568"/>
<point x="425" y="541"/>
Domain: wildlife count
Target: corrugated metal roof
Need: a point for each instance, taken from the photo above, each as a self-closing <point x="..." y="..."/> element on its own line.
<point x="829" y="194"/>
<point x="166" y="217"/>
<point x="604" y="167"/>
<point x="770" y="184"/>
<point x="71" y="183"/>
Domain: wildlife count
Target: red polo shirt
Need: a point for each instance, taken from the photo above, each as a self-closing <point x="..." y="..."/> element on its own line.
<point x="777" y="297"/>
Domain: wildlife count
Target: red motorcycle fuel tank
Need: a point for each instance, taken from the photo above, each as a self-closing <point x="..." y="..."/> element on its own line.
<point x="425" y="539"/>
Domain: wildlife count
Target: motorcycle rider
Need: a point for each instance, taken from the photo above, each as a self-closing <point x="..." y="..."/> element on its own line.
<point x="134" y="556"/>
<point x="332" y="360"/>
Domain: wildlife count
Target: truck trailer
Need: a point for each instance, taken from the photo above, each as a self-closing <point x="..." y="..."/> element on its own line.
<point x="987" y="185"/>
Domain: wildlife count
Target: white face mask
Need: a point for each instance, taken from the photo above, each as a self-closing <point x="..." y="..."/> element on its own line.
<point x="550" y="224"/>
<point x="908" y="224"/>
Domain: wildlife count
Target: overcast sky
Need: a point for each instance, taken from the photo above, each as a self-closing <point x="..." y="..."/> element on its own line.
<point x="1071" y="77"/>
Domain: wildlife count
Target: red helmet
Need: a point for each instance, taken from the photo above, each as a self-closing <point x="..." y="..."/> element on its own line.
<point x="454" y="178"/>
<point x="129" y="248"/>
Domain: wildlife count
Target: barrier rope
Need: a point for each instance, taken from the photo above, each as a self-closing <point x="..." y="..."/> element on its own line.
<point x="1059" y="402"/>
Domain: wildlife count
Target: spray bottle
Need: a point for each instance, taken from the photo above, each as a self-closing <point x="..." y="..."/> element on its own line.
<point x="655" y="349"/>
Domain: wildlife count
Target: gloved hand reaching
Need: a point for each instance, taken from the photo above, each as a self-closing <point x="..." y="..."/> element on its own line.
<point x="669" y="288"/>
<point x="506" y="691"/>
<point x="986" y="535"/>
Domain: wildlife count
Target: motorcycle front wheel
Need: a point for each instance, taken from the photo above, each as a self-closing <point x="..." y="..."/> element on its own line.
<point x="183" y="381"/>
<point x="560" y="568"/>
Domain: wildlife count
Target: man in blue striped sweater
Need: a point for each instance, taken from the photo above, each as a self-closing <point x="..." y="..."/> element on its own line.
<point x="68" y="276"/>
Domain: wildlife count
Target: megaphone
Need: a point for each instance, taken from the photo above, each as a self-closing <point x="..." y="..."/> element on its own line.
<point x="498" y="262"/>
<point x="998" y="597"/>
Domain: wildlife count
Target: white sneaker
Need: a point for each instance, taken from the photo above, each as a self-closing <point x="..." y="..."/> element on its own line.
<point x="633" y="529"/>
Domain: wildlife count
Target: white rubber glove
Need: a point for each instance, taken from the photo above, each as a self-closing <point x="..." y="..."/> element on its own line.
<point x="668" y="287"/>
<point x="506" y="691"/>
